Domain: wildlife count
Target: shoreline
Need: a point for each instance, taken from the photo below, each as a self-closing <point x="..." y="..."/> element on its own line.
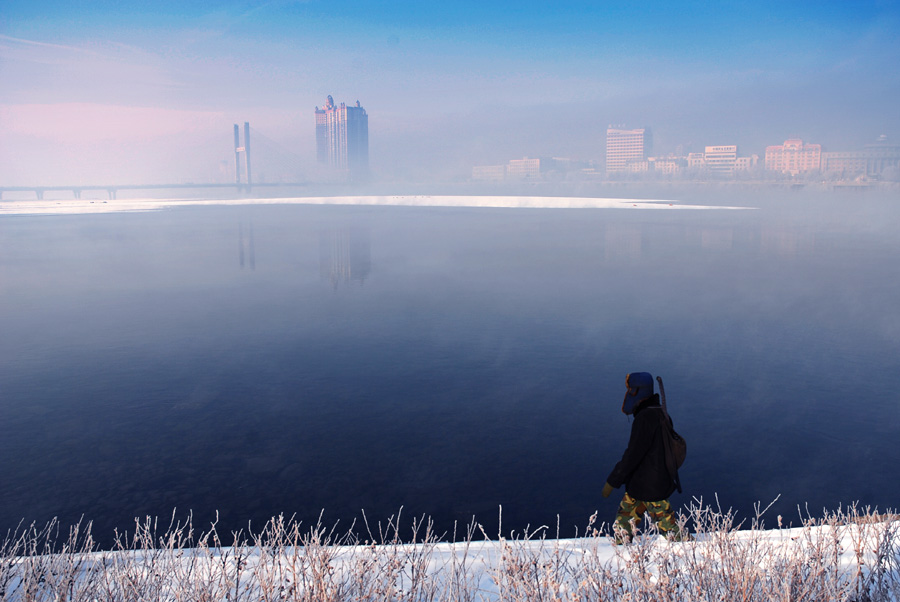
<point x="848" y="555"/>
<point x="85" y="206"/>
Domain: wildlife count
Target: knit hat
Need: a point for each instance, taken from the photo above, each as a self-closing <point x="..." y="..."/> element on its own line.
<point x="640" y="387"/>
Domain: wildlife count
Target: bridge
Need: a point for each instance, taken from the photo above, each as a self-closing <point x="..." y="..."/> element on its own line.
<point x="113" y="189"/>
<point x="240" y="151"/>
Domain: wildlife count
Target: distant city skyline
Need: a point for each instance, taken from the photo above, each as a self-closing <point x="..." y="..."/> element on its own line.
<point x="629" y="153"/>
<point x="137" y="92"/>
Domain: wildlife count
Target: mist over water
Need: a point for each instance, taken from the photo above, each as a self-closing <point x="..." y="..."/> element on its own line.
<point x="258" y="360"/>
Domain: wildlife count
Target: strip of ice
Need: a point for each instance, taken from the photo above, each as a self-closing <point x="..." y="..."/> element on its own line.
<point x="77" y="206"/>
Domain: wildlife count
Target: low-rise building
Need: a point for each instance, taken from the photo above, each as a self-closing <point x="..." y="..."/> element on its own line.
<point x="696" y="160"/>
<point x="489" y="173"/>
<point x="667" y="165"/>
<point x="720" y="159"/>
<point x="794" y="157"/>
<point x="524" y="169"/>
<point x="746" y="163"/>
<point x="873" y="160"/>
<point x="534" y="169"/>
<point x="636" y="166"/>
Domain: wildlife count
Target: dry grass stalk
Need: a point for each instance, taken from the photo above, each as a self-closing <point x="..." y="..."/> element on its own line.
<point x="850" y="555"/>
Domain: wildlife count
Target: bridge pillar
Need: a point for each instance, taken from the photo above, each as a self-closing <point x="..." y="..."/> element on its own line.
<point x="77" y="192"/>
<point x="237" y="154"/>
<point x="238" y="149"/>
<point x="247" y="153"/>
<point x="112" y="193"/>
<point x="40" y="193"/>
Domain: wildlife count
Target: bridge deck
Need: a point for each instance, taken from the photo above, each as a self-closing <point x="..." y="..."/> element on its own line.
<point x="112" y="189"/>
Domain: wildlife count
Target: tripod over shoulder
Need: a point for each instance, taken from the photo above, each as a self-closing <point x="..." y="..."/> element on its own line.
<point x="676" y="446"/>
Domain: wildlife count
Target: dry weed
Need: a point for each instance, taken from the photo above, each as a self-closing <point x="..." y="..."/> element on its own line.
<point x="850" y="555"/>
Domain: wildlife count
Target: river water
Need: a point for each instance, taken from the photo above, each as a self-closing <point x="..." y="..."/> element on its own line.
<point x="257" y="360"/>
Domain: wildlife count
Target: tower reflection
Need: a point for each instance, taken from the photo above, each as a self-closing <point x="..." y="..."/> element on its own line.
<point x="246" y="247"/>
<point x="345" y="256"/>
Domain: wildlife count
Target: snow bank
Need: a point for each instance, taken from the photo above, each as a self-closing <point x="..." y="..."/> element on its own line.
<point x="77" y="206"/>
<point x="848" y="556"/>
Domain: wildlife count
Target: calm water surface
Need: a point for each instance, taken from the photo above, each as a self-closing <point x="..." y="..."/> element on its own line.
<point x="260" y="360"/>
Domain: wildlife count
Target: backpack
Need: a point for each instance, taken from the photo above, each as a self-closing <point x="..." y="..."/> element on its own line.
<point x="676" y="446"/>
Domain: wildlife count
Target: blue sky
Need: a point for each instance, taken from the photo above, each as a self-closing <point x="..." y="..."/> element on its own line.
<point x="143" y="91"/>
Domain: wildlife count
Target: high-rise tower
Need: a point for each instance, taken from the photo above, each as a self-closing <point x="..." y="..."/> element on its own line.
<point x="624" y="146"/>
<point x="342" y="138"/>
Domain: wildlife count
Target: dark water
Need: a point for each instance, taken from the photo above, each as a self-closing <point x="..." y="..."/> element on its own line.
<point x="287" y="359"/>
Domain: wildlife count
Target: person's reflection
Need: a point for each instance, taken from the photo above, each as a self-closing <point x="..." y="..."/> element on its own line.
<point x="246" y="246"/>
<point x="345" y="256"/>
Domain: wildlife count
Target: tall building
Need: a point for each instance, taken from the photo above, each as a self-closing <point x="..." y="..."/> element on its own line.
<point x="342" y="138"/>
<point x="794" y="157"/>
<point x="625" y="146"/>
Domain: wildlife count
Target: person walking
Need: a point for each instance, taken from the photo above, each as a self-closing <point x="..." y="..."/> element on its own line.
<point x="642" y="469"/>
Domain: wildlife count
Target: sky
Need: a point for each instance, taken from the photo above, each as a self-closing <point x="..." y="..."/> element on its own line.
<point x="127" y="92"/>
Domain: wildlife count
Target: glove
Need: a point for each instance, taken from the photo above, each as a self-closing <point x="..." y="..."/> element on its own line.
<point x="607" y="489"/>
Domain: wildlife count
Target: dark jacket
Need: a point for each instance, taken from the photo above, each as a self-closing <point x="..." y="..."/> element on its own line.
<point x="642" y="468"/>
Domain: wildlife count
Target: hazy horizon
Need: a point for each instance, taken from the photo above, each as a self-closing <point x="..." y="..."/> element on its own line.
<point x="118" y="93"/>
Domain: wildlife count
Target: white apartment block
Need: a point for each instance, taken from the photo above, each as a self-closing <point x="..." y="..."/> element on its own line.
<point x="626" y="146"/>
<point x="721" y="159"/>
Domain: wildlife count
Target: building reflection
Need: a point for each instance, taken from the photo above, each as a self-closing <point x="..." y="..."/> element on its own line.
<point x="345" y="256"/>
<point x="641" y="242"/>
<point x="787" y="241"/>
<point x="717" y="239"/>
<point x="623" y="243"/>
<point x="783" y="240"/>
<point x="246" y="248"/>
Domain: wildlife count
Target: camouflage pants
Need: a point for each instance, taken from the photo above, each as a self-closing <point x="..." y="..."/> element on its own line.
<point x="631" y="509"/>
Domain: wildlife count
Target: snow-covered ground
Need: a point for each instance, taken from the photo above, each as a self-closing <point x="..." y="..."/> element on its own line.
<point x="37" y="207"/>
<point x="852" y="556"/>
